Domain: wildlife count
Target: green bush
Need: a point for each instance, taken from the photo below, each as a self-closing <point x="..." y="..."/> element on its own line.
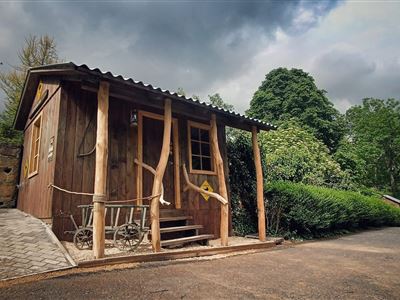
<point x="295" y="209"/>
<point x="242" y="183"/>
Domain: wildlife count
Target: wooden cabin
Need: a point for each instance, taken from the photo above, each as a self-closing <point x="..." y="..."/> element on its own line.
<point x="92" y="132"/>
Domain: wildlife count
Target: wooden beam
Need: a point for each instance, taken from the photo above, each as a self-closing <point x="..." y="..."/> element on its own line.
<point x="157" y="183"/>
<point x="181" y="108"/>
<point x="260" y="186"/>
<point x="177" y="178"/>
<point x="219" y="165"/>
<point x="100" y="182"/>
<point x="139" y="177"/>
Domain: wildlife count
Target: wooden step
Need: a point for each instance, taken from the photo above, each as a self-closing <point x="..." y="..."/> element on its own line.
<point x="176" y="218"/>
<point x="185" y="240"/>
<point x="180" y="228"/>
<point x="167" y="212"/>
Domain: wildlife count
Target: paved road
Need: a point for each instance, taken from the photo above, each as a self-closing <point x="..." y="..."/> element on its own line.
<point x="359" y="266"/>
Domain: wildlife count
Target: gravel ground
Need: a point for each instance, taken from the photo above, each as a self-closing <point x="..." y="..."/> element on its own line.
<point x="365" y="265"/>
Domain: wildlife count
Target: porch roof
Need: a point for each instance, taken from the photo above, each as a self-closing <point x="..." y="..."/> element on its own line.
<point x="64" y="70"/>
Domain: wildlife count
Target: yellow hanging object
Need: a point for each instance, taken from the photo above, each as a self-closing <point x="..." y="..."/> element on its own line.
<point x="26" y="168"/>
<point x="206" y="186"/>
<point x="39" y="92"/>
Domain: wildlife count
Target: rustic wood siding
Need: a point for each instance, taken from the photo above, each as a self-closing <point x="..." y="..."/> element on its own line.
<point x="77" y="134"/>
<point x="77" y="124"/>
<point x="34" y="196"/>
<point x="206" y="213"/>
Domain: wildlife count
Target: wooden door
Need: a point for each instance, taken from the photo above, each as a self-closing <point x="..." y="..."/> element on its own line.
<point x="152" y="144"/>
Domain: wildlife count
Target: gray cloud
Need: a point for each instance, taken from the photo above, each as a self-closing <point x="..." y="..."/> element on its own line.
<point x="351" y="76"/>
<point x="176" y="44"/>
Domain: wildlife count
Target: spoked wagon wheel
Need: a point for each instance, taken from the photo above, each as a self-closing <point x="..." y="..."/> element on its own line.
<point x="83" y="238"/>
<point x="127" y="237"/>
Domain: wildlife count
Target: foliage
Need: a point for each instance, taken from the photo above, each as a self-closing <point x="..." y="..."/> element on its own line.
<point x="292" y="94"/>
<point x="295" y="209"/>
<point x="181" y="91"/>
<point x="216" y="100"/>
<point x="374" y="129"/>
<point x="294" y="154"/>
<point x="290" y="153"/>
<point x="242" y="180"/>
<point x="350" y="161"/>
<point x="36" y="51"/>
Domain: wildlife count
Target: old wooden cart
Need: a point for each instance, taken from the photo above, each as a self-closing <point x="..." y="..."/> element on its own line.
<point x="127" y="236"/>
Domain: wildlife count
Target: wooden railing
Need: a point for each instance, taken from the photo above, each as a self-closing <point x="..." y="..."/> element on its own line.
<point x="153" y="171"/>
<point x="200" y="190"/>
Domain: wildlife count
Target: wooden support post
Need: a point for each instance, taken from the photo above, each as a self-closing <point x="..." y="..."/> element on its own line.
<point x="219" y="165"/>
<point x="157" y="183"/>
<point x="100" y="182"/>
<point x="260" y="186"/>
<point x="177" y="178"/>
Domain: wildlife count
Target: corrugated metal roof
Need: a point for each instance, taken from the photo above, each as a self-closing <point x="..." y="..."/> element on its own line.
<point x="167" y="93"/>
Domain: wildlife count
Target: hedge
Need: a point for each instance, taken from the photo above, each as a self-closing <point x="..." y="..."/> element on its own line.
<point x="295" y="209"/>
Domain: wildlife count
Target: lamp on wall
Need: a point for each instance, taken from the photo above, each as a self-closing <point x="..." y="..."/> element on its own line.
<point x="133" y="119"/>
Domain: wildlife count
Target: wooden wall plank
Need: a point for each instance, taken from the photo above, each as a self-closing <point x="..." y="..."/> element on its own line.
<point x="34" y="196"/>
<point x="76" y="107"/>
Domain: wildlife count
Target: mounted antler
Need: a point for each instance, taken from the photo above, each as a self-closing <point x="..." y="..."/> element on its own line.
<point x="152" y="171"/>
<point x="200" y="190"/>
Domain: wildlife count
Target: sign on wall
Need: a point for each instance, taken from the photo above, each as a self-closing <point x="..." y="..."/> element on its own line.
<point x="206" y="186"/>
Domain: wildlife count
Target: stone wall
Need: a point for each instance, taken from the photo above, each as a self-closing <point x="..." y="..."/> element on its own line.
<point x="9" y="174"/>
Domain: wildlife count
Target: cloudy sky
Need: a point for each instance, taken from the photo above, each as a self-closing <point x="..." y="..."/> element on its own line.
<point x="351" y="48"/>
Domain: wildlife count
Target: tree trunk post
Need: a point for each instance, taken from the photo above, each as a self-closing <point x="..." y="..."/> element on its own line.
<point x="100" y="182"/>
<point x="260" y="186"/>
<point x="219" y="165"/>
<point x="160" y="170"/>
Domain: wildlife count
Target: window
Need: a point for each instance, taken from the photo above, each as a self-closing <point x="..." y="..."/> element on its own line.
<point x="35" y="147"/>
<point x="200" y="148"/>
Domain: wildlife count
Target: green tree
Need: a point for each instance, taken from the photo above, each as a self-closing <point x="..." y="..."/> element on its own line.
<point x="217" y="101"/>
<point x="37" y="51"/>
<point x="294" y="154"/>
<point x="181" y="91"/>
<point x="374" y="130"/>
<point x="242" y="178"/>
<point x="292" y="94"/>
<point x="350" y="161"/>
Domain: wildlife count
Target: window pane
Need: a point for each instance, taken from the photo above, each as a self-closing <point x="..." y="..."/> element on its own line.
<point x="196" y="163"/>
<point x="35" y="164"/>
<point x="36" y="150"/>
<point x="194" y="133"/>
<point x="195" y="148"/>
<point x="206" y="161"/>
<point x="205" y="149"/>
<point x="205" y="137"/>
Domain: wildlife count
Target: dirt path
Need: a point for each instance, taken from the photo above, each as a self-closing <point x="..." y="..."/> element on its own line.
<point x="360" y="266"/>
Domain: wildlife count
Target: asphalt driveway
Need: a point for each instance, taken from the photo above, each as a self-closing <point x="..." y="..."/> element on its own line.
<point x="359" y="266"/>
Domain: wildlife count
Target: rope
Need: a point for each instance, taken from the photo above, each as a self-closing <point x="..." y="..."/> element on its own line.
<point x="133" y="200"/>
<point x="107" y="201"/>
<point x="83" y="139"/>
<point x="88" y="153"/>
<point x="69" y="192"/>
